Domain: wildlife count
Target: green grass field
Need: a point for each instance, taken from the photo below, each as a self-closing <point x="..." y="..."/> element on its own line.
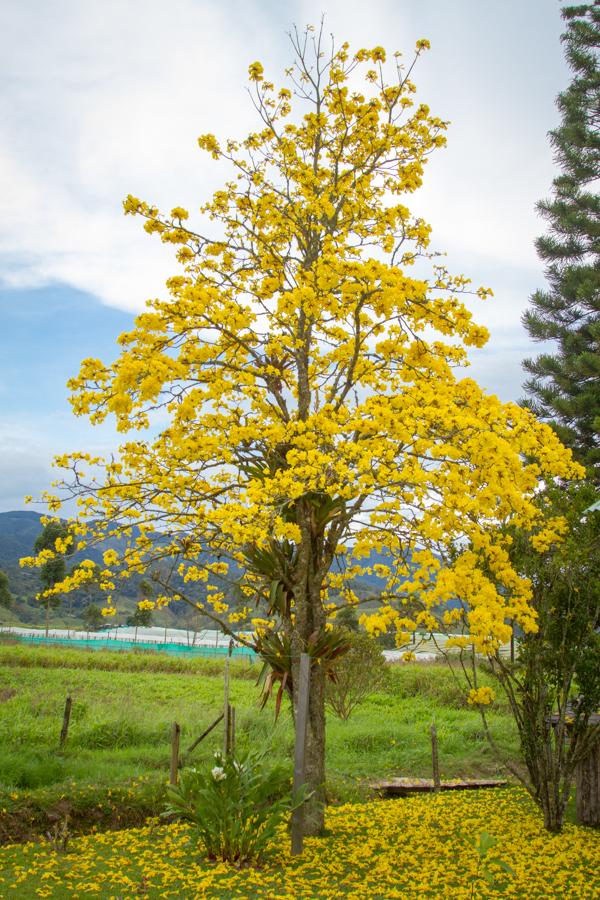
<point x="124" y="705"/>
<point x="114" y="766"/>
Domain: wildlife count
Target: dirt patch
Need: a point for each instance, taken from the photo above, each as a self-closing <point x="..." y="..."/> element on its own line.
<point x="7" y="694"/>
<point x="47" y="814"/>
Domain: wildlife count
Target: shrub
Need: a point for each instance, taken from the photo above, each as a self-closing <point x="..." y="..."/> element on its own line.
<point x="347" y="618"/>
<point x="116" y="735"/>
<point x="435" y="682"/>
<point x="234" y="804"/>
<point x="29" y="770"/>
<point x="358" y="673"/>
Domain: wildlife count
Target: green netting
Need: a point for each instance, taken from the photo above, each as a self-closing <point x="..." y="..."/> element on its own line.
<point x="112" y="644"/>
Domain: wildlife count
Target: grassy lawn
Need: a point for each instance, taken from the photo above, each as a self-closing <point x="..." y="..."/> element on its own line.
<point x="124" y="704"/>
<point x="378" y="850"/>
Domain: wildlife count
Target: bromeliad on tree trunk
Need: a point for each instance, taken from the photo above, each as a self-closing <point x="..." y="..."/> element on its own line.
<point x="275" y="649"/>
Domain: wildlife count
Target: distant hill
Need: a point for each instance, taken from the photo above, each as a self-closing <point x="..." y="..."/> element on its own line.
<point x="18" y="531"/>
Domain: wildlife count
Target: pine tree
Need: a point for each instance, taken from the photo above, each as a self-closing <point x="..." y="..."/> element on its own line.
<point x="564" y="387"/>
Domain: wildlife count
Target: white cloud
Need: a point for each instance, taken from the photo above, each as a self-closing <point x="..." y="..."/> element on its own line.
<point x="28" y="449"/>
<point x="103" y="98"/>
<point x="22" y="464"/>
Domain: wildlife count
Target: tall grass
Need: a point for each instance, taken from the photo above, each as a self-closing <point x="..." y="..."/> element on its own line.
<point x="14" y="653"/>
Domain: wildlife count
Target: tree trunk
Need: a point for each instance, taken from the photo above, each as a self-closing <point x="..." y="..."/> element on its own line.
<point x="550" y="770"/>
<point x="311" y="567"/>
<point x="587" y="801"/>
<point x="314" y="812"/>
<point x="310" y="619"/>
<point x="554" y="810"/>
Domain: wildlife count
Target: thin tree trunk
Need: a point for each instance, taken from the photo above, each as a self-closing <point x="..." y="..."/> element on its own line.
<point x="554" y="811"/>
<point x="435" y="760"/>
<point x="588" y="789"/>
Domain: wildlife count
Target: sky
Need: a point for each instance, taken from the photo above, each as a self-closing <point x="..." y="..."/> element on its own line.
<point x="103" y="98"/>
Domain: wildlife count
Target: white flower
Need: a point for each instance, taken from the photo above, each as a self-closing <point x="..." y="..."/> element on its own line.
<point x="218" y="773"/>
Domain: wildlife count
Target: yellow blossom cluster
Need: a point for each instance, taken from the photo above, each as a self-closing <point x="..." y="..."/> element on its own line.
<point x="146" y="604"/>
<point x="481" y="696"/>
<point x="552" y="533"/>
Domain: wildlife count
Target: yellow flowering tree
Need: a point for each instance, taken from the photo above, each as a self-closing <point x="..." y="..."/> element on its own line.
<point x="292" y="405"/>
<point x="552" y="683"/>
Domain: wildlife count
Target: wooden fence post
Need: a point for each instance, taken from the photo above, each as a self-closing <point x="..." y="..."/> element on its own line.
<point x="226" y="706"/>
<point x="65" y="724"/>
<point x="204" y="734"/>
<point x="435" y="761"/>
<point x="175" y="733"/>
<point x="300" y="748"/>
<point x="231" y="738"/>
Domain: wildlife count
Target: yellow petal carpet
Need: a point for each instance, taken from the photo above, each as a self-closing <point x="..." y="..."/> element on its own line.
<point x="383" y="849"/>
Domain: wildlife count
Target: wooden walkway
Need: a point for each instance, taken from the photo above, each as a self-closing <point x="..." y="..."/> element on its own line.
<point x="404" y="787"/>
